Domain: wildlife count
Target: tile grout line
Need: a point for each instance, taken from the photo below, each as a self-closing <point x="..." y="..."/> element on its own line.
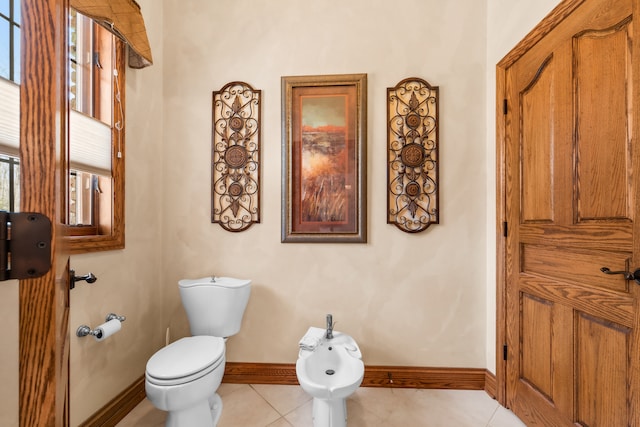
<point x="495" y="411"/>
<point x="274" y="408"/>
<point x="282" y="416"/>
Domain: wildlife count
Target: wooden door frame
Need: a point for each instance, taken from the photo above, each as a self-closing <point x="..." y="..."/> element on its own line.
<point x="555" y="17"/>
<point x="43" y="302"/>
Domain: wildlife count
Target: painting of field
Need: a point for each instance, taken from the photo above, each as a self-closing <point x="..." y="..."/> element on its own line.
<point x="323" y="186"/>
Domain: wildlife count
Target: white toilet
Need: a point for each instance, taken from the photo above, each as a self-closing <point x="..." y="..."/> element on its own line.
<point x="182" y="378"/>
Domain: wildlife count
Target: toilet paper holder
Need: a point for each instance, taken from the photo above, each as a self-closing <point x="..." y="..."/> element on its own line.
<point x="85" y="330"/>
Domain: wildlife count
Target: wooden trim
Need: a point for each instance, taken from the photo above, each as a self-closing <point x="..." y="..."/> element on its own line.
<point x="260" y="373"/>
<point x="555" y="17"/>
<point x="114" y="411"/>
<point x="43" y="339"/>
<point x="111" y="230"/>
<point x="501" y="217"/>
<point x="374" y="376"/>
<point x="490" y="384"/>
<point x="423" y="377"/>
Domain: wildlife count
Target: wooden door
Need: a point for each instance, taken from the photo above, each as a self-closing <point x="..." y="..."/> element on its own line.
<point x="572" y="174"/>
<point x="44" y="301"/>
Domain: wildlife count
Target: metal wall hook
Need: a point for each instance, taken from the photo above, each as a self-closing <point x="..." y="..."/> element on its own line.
<point x="90" y="278"/>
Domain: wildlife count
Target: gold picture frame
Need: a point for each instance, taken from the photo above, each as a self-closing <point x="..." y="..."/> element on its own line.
<point x="324" y="159"/>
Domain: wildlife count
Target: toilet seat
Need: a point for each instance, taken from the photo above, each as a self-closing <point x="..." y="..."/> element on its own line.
<point x="185" y="360"/>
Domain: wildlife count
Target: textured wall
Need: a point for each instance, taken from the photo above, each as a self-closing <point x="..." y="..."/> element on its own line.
<point x="408" y="299"/>
<point x="129" y="281"/>
<point x="425" y="299"/>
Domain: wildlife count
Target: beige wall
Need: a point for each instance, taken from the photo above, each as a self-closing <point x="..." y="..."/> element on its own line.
<point x="9" y="353"/>
<point x="408" y="299"/>
<point x="417" y="300"/>
<point x="129" y="281"/>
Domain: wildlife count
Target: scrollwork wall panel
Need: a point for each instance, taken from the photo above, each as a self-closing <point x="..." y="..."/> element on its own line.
<point x="235" y="189"/>
<point x="412" y="150"/>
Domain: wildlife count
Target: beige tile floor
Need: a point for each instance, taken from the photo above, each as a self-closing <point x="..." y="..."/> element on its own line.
<point x="289" y="406"/>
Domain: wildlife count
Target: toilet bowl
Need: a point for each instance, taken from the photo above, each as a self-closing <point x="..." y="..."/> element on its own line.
<point x="183" y="377"/>
<point x="330" y="371"/>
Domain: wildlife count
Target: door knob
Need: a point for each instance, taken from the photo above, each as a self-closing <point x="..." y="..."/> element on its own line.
<point x="627" y="274"/>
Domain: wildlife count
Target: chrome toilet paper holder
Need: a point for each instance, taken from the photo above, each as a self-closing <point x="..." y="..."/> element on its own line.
<point x="85" y="330"/>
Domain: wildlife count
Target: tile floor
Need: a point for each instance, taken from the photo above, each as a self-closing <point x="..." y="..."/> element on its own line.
<point x="289" y="406"/>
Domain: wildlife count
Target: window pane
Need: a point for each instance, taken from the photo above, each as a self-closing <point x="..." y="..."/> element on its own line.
<point x="16" y="10"/>
<point x="5" y="62"/>
<point x="16" y="187"/>
<point x="81" y="197"/>
<point x="4" y="186"/>
<point x="73" y="58"/>
<point x="16" y="54"/>
<point x="4" y="7"/>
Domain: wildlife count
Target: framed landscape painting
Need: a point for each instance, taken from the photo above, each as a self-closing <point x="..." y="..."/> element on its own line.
<point x="324" y="158"/>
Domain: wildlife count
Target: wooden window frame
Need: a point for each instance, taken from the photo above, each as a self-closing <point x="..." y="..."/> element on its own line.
<point x="108" y="233"/>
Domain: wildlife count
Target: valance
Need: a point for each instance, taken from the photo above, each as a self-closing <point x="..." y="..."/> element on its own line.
<point x="124" y="19"/>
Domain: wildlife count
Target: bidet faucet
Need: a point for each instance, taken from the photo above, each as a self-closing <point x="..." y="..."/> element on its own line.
<point x="329" y="334"/>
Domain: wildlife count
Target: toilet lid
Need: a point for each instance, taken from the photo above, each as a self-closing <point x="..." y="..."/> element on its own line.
<point x="185" y="357"/>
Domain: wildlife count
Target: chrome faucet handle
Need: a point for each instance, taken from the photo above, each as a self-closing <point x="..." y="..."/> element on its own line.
<point x="329" y="334"/>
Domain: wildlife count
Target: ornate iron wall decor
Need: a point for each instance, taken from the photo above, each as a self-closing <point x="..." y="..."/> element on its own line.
<point x="235" y="189"/>
<point x="412" y="142"/>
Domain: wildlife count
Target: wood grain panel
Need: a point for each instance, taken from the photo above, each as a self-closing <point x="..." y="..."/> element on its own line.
<point x="603" y="303"/>
<point x="602" y="349"/>
<point x="44" y="301"/>
<point x="537" y="105"/>
<point x="603" y="148"/>
<point x="531" y="405"/>
<point x="576" y="265"/>
<point x="595" y="199"/>
<point x="616" y="237"/>
<point x="535" y="350"/>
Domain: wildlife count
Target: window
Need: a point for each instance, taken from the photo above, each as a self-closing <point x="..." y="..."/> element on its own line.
<point x="96" y="131"/>
<point x="9" y="183"/>
<point x="9" y="105"/>
<point x="95" y="215"/>
<point x="10" y="40"/>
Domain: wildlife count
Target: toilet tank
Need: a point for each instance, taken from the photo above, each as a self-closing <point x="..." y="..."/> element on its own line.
<point x="215" y="306"/>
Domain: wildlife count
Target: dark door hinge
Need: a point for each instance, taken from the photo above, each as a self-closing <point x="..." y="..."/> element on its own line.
<point x="25" y="245"/>
<point x="505" y="108"/>
<point x="504" y="352"/>
<point x="505" y="228"/>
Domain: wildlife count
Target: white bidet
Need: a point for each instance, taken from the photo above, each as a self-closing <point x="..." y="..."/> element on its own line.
<point x="330" y="372"/>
